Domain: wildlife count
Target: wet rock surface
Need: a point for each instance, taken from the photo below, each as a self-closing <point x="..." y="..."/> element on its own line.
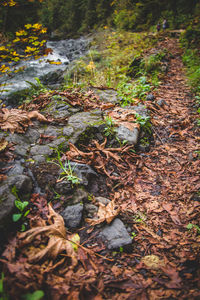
<point x="72" y="215"/>
<point x="115" y="235"/>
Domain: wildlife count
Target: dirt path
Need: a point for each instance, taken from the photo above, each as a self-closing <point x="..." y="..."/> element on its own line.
<point x="167" y="184"/>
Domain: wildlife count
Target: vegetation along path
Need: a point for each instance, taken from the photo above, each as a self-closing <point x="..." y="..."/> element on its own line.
<point x="157" y="198"/>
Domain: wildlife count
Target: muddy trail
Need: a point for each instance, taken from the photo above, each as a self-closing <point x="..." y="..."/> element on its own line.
<point x="158" y="201"/>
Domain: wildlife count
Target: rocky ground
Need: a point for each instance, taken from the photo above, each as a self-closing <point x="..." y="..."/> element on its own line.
<point x="131" y="211"/>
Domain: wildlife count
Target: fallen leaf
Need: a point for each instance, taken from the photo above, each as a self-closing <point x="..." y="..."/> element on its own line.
<point x="153" y="262"/>
<point x="58" y="242"/>
<point x="105" y="213"/>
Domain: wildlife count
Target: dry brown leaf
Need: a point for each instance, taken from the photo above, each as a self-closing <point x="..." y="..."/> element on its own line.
<point x="105" y="213"/>
<point x="17" y="120"/>
<point x="3" y="144"/>
<point x="153" y="262"/>
<point x="58" y="242"/>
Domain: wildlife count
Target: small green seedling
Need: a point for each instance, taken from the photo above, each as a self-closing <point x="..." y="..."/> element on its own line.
<point x="37" y="295"/>
<point x="133" y="235"/>
<point x="191" y="226"/>
<point x="3" y="295"/>
<point x="21" y="206"/>
<point x="110" y="126"/>
<point x="67" y="171"/>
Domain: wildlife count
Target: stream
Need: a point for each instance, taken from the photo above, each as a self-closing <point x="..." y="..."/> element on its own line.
<point x="63" y="52"/>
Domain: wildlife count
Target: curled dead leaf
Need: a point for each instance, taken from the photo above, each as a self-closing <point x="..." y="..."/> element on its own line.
<point x="17" y="120"/>
<point x="58" y="241"/>
<point x="153" y="262"/>
<point x="105" y="213"/>
<point x="3" y="144"/>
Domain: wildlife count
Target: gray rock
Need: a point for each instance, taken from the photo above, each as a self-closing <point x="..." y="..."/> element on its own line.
<point x="52" y="131"/>
<point x="72" y="215"/>
<point x="161" y="102"/>
<point x="63" y="187"/>
<point x="131" y="136"/>
<point x="107" y="95"/>
<point x="58" y="142"/>
<point x="39" y="158"/>
<point x="116" y="235"/>
<point x="18" y="139"/>
<point x="32" y="134"/>
<point x="41" y="150"/>
<point x="7" y="203"/>
<point x="141" y="110"/>
<point x="23" y="183"/>
<point x="80" y="195"/>
<point x="150" y="97"/>
<point x="81" y="121"/>
<point x="90" y="209"/>
<point x="67" y="131"/>
<point x="102" y="200"/>
<point x="58" y="109"/>
<point x="16" y="169"/>
<point x="21" y="150"/>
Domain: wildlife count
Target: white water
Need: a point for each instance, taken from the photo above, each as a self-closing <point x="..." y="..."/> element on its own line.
<point x="63" y="51"/>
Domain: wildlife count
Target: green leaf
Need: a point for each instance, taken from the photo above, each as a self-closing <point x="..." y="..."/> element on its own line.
<point x="75" y="239"/>
<point x="16" y="217"/>
<point x="21" y="205"/>
<point x="37" y="295"/>
<point x="26" y="213"/>
<point x="189" y="226"/>
<point x="1" y="282"/>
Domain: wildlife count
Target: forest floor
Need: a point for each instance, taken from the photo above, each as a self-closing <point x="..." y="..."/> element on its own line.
<point x="159" y="204"/>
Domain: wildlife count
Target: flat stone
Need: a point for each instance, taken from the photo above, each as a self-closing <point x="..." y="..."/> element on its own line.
<point x="38" y="158"/>
<point x="72" y="215"/>
<point x="83" y="172"/>
<point x="21" y="150"/>
<point x="102" y="200"/>
<point x="115" y="235"/>
<point x="131" y="136"/>
<point x="107" y="95"/>
<point x="68" y="131"/>
<point x="52" y="131"/>
<point x="16" y="169"/>
<point x="41" y="150"/>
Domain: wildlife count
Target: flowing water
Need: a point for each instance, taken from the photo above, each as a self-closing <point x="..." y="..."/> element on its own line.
<point x="63" y="52"/>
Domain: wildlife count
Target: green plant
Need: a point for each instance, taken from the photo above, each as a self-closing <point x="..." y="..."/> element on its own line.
<point x="144" y="123"/>
<point x="191" y="226"/>
<point x="109" y="130"/>
<point x="37" y="295"/>
<point x="133" y="235"/>
<point x="67" y="170"/>
<point x="3" y="295"/>
<point x="21" y="206"/>
<point x="37" y="88"/>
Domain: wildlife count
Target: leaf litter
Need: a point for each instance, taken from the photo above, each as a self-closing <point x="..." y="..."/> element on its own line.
<point x="154" y="194"/>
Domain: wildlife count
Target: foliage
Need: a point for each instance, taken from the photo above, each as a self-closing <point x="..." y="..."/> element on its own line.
<point x="129" y="91"/>
<point x="109" y="130"/>
<point x="144" y="123"/>
<point x="191" y="226"/>
<point x="21" y="207"/>
<point x="37" y="295"/>
<point x="67" y="171"/>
